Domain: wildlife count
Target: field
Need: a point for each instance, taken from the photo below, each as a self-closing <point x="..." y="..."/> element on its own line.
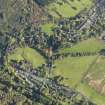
<point x="85" y="74"/>
<point x="75" y="68"/>
<point x="67" y="8"/>
<point x="96" y="75"/>
<point x="93" y="95"/>
<point x="97" y="71"/>
<point x="47" y="28"/>
<point x="52" y="52"/>
<point x="29" y="54"/>
<point x="90" y="45"/>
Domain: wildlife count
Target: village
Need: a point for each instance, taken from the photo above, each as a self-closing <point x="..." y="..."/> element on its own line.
<point x="39" y="83"/>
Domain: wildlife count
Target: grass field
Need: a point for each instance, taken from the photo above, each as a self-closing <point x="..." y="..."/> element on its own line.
<point x="47" y="28"/>
<point x="95" y="78"/>
<point x="97" y="70"/>
<point x="28" y="54"/>
<point x="73" y="68"/>
<point x="90" y="45"/>
<point x="91" y="94"/>
<point x="67" y="8"/>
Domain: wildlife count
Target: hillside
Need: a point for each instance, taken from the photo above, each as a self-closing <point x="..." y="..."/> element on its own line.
<point x="17" y="13"/>
<point x="52" y="52"/>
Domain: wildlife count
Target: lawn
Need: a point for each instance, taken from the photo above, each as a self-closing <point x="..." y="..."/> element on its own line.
<point x="28" y="54"/>
<point x="90" y="45"/>
<point x="47" y="28"/>
<point x="73" y="68"/>
<point x="67" y="8"/>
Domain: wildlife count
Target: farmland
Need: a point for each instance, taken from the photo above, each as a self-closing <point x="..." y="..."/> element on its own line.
<point x="67" y="8"/>
<point x="96" y="74"/>
<point x="93" y="95"/>
<point x="75" y="68"/>
<point x="80" y="71"/>
<point x="75" y="75"/>
<point x="85" y="46"/>
<point x="64" y="9"/>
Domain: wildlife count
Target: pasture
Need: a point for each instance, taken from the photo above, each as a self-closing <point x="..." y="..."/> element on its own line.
<point x="67" y="8"/>
<point x="93" y="95"/>
<point x="78" y="71"/>
<point x="89" y="45"/>
<point x="73" y="68"/>
<point x="28" y="54"/>
<point x="95" y="77"/>
<point x="97" y="71"/>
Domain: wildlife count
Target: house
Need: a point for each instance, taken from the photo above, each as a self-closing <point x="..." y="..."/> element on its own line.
<point x="102" y="52"/>
<point x="102" y="37"/>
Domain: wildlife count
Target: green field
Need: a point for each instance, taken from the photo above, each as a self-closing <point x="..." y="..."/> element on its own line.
<point x="67" y="8"/>
<point x="91" y="94"/>
<point x="73" y="68"/>
<point x="76" y="68"/>
<point x="90" y="45"/>
<point x="47" y="28"/>
<point x="97" y="71"/>
<point x="28" y="54"/>
<point x="97" y="75"/>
